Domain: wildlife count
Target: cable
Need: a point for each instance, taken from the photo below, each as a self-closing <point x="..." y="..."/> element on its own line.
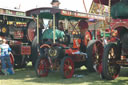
<point x="84" y="6"/>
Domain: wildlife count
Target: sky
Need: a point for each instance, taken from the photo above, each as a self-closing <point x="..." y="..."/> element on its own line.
<point x="30" y="4"/>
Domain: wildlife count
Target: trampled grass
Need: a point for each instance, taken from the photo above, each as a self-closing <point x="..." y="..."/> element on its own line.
<point x="27" y="76"/>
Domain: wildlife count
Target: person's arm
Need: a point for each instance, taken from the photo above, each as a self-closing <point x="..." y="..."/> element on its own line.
<point x="9" y="49"/>
<point x="60" y="34"/>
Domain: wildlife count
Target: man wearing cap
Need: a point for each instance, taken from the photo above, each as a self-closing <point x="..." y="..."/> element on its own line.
<point x="83" y="26"/>
<point x="55" y="3"/>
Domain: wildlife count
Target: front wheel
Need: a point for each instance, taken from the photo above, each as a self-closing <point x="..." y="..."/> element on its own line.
<point x="110" y="68"/>
<point x="42" y="67"/>
<point x="67" y="67"/>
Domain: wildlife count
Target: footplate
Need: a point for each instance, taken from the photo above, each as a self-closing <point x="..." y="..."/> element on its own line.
<point x="122" y="62"/>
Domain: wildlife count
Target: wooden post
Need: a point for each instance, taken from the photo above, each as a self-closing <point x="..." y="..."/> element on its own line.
<point x="54" y="35"/>
<point x="66" y="24"/>
<point x="84" y="6"/>
<point x="37" y="29"/>
<point x="109" y="9"/>
<point x="104" y="30"/>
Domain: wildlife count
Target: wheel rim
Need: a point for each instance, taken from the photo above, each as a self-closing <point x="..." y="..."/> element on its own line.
<point x="68" y="68"/>
<point x="97" y="56"/>
<point x="113" y="68"/>
<point x="31" y="34"/>
<point x="12" y="59"/>
<point x="43" y="67"/>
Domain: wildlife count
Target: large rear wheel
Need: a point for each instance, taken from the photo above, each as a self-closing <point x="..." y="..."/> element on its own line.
<point x="94" y="53"/>
<point x="31" y="31"/>
<point x="34" y="51"/>
<point x="110" y="68"/>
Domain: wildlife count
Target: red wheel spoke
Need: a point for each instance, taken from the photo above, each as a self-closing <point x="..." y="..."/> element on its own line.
<point x="41" y="67"/>
<point x="68" y="67"/>
<point x="66" y="73"/>
<point x="99" y="68"/>
<point x="68" y="62"/>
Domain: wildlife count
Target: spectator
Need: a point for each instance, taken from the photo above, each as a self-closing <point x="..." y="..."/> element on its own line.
<point x="61" y="26"/>
<point x="5" y="58"/>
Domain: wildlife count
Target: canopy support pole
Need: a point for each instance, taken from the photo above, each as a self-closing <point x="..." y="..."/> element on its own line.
<point x="84" y="6"/>
<point x="66" y="24"/>
<point x="54" y="28"/>
<point x="37" y="29"/>
<point x="109" y="9"/>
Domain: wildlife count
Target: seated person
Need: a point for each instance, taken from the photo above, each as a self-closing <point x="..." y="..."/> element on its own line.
<point x="83" y="26"/>
<point x="61" y="26"/>
<point x="48" y="33"/>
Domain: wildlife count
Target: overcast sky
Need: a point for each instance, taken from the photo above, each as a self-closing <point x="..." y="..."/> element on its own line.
<point x="29" y="4"/>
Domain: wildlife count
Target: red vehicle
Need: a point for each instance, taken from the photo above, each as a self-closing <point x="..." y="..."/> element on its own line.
<point x="65" y="54"/>
<point x="18" y="29"/>
<point x="116" y="52"/>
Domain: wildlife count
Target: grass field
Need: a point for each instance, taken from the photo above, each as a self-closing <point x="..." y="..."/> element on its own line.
<point x="27" y="76"/>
